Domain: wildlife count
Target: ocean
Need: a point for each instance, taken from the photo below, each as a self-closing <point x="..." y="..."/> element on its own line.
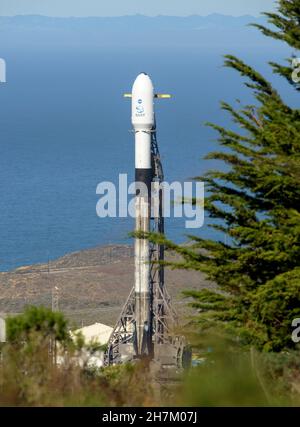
<point x="65" y="127"/>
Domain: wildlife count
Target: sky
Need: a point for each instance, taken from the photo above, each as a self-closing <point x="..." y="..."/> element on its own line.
<point x="131" y="7"/>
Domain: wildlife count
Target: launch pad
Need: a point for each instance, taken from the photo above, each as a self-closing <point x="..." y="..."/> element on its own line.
<point x="148" y="324"/>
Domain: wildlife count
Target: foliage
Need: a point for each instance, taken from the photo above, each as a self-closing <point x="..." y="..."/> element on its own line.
<point x="287" y="22"/>
<point x="225" y="376"/>
<point x="228" y="376"/>
<point x="38" y="319"/>
<point x="34" y="371"/>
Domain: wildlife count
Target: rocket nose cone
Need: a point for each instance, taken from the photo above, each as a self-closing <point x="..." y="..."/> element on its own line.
<point x="142" y="105"/>
<point x="142" y="82"/>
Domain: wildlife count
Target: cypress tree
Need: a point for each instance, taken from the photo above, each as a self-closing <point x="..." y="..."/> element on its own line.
<point x="256" y="204"/>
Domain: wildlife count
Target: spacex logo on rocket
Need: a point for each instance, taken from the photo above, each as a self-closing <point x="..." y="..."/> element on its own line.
<point x="153" y="197"/>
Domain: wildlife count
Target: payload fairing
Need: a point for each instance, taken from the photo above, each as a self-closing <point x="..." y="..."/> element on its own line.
<point x="147" y="325"/>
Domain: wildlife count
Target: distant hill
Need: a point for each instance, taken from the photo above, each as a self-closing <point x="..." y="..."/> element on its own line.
<point x="132" y="22"/>
<point x="132" y="30"/>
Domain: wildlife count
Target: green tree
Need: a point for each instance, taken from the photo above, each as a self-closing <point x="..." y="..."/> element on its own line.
<point x="255" y="203"/>
<point x="37" y="319"/>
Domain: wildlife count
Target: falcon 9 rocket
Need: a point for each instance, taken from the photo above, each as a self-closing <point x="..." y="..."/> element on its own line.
<point x="147" y="325"/>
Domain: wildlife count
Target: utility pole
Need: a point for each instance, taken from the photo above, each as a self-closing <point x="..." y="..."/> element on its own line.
<point x="55" y="298"/>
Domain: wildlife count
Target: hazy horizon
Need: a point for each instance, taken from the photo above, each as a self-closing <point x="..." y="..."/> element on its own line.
<point x="78" y="8"/>
<point x="136" y="14"/>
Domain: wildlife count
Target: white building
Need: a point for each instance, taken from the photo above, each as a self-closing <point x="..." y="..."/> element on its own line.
<point x="96" y="334"/>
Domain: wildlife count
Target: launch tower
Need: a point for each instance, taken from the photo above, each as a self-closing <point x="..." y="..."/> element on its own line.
<point x="147" y="326"/>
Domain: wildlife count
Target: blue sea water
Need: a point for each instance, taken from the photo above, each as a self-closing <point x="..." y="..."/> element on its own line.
<point x="64" y="127"/>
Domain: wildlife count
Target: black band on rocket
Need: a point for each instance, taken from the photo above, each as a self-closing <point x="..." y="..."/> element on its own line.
<point x="145" y="176"/>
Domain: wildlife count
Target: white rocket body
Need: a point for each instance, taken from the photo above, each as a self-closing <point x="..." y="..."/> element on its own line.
<point x="143" y="121"/>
